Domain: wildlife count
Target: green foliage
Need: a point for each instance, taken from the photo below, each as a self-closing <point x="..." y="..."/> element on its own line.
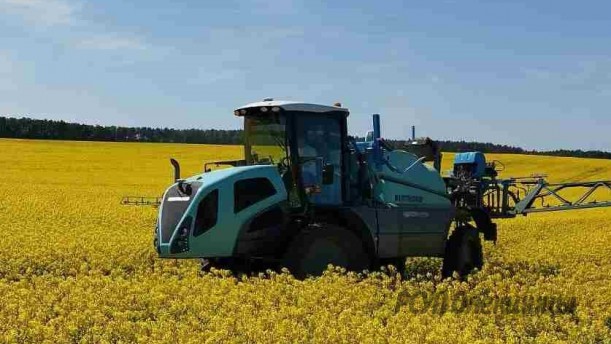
<point x="27" y="128"/>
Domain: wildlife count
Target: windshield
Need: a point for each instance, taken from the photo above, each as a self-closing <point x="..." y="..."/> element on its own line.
<point x="265" y="139"/>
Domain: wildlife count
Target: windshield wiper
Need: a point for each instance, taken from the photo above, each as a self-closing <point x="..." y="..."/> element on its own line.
<point x="279" y="142"/>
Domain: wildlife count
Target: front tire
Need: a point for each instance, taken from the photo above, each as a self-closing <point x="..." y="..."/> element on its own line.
<point x="463" y="252"/>
<point x="319" y="245"/>
<point x="224" y="263"/>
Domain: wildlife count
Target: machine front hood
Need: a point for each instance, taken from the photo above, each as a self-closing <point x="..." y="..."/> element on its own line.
<point x="181" y="199"/>
<point x="173" y="207"/>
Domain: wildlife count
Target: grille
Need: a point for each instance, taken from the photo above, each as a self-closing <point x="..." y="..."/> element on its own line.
<point x="174" y="207"/>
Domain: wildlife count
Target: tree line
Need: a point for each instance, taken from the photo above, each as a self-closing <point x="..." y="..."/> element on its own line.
<point x="28" y="128"/>
<point x="487" y="147"/>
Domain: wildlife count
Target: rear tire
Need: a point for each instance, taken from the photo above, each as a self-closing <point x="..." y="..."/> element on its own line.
<point x="398" y="263"/>
<point x="463" y="252"/>
<point x="319" y="245"/>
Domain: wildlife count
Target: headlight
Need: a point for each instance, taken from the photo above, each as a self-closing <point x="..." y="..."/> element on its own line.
<point x="181" y="243"/>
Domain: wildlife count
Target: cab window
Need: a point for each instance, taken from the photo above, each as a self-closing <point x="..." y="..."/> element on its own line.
<point x="247" y="192"/>
<point x="207" y="213"/>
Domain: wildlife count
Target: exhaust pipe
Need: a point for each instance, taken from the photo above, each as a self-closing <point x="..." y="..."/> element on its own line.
<point x="185" y="188"/>
<point x="176" y="166"/>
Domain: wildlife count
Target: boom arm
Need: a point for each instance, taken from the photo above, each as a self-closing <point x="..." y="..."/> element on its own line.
<point x="140" y="200"/>
<point x="474" y="184"/>
<point x="502" y="197"/>
<point x="542" y="190"/>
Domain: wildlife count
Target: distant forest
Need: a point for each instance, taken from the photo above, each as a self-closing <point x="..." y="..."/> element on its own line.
<point x="27" y="128"/>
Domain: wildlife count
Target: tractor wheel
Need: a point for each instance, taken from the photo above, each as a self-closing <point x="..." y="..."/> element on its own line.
<point x="463" y="252"/>
<point x="398" y="263"/>
<point x="319" y="245"/>
<point x="236" y="267"/>
<point x="204" y="265"/>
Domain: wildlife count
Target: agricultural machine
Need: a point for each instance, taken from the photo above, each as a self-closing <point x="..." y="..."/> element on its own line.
<point x="307" y="195"/>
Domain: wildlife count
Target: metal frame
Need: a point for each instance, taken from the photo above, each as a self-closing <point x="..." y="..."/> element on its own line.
<point x="543" y="190"/>
<point x="501" y="197"/>
<point x="140" y="200"/>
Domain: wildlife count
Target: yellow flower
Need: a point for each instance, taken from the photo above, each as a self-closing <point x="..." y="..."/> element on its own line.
<point x="75" y="266"/>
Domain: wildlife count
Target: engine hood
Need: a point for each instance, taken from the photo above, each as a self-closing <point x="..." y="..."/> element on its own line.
<point x="178" y="213"/>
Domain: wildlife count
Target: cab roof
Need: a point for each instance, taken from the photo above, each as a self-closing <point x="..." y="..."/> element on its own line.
<point x="294" y="106"/>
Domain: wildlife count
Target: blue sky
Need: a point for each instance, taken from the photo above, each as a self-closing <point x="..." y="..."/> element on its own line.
<point x="535" y="74"/>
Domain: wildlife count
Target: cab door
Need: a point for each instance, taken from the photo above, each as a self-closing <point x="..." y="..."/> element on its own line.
<point x="319" y="142"/>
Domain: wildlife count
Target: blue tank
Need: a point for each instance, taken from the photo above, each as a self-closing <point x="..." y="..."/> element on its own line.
<point x="475" y="162"/>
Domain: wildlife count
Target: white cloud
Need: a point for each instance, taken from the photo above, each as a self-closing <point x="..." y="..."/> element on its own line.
<point x="51" y="14"/>
<point x="8" y="72"/>
<point x="43" y="12"/>
<point x="208" y="75"/>
<point x="593" y="74"/>
<point x="111" y="42"/>
<point x="276" y="7"/>
<point x="252" y="36"/>
<point x="6" y="64"/>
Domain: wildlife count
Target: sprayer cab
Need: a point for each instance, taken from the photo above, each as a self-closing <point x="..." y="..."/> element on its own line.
<point x="293" y="161"/>
<point x="305" y="141"/>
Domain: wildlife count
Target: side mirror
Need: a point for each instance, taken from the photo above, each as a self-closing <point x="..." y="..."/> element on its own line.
<point x="328" y="172"/>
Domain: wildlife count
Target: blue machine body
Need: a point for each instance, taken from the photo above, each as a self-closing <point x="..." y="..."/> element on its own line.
<point x="475" y="161"/>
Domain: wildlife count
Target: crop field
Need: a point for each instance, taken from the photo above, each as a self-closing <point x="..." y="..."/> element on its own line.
<point x="76" y="266"/>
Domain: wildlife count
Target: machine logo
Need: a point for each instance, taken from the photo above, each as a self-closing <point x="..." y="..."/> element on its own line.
<point x="408" y="199"/>
<point x="416" y="214"/>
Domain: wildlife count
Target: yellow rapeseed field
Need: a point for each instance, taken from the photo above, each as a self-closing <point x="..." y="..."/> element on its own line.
<point x="76" y="266"/>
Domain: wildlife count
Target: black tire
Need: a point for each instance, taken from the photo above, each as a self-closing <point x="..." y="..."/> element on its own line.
<point x="309" y="253"/>
<point x="204" y="265"/>
<point x="398" y="263"/>
<point x="463" y="252"/>
<point x="225" y="263"/>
